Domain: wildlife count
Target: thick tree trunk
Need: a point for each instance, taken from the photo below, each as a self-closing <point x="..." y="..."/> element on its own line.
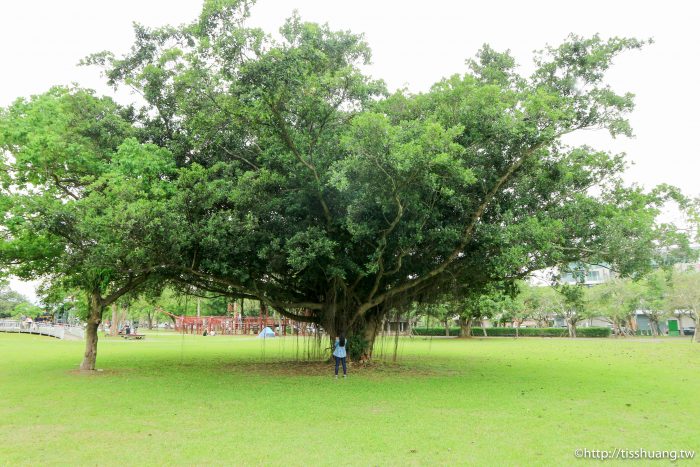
<point x="123" y="315"/>
<point x="114" y="324"/>
<point x="654" y="328"/>
<point x="572" y="328"/>
<point x="483" y="328"/>
<point x="94" y="317"/>
<point x="616" y="328"/>
<point x="361" y="333"/>
<point x="465" y="327"/>
<point x="370" y="334"/>
<point x="447" y="328"/>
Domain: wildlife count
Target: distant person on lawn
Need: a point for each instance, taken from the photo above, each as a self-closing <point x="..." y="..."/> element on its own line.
<point x="340" y="354"/>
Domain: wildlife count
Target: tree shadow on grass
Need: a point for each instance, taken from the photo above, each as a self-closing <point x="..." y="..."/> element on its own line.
<point x="293" y="368"/>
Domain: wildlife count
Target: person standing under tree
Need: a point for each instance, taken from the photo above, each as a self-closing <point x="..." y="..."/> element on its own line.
<point x="340" y="354"/>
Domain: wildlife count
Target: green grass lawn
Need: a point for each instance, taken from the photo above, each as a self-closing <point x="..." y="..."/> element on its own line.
<point x="234" y="400"/>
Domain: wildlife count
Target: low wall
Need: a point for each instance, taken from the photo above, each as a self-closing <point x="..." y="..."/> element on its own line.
<point x="59" y="331"/>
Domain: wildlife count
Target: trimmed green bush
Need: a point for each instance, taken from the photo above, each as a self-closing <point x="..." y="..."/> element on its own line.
<point x="434" y="331"/>
<point x="593" y="332"/>
<point x="524" y="332"/>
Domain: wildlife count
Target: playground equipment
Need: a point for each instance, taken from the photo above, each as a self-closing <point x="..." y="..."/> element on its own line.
<point x="237" y="324"/>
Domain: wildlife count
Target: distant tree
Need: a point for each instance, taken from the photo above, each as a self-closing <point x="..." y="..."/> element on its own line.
<point x="477" y="306"/>
<point x="516" y="311"/>
<point x="444" y="312"/>
<point x="652" y="298"/>
<point x="180" y="301"/>
<point x="142" y="311"/>
<point x="684" y="296"/>
<point x="27" y="309"/>
<point x="490" y="307"/>
<point x="538" y="302"/>
<point x="10" y="300"/>
<point x="572" y="306"/>
<point x="617" y="301"/>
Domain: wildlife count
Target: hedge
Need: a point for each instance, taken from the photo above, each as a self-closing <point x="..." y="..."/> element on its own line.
<point x="524" y="332"/>
<point x="434" y="331"/>
<point x="594" y="332"/>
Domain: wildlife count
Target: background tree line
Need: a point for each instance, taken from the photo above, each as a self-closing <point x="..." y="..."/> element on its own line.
<point x="664" y="293"/>
<point x="15" y="305"/>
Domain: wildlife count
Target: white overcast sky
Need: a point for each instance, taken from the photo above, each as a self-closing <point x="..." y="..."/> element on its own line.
<point x="414" y="44"/>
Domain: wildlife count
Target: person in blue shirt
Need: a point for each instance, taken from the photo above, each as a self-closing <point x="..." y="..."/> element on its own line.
<point x="340" y="354"/>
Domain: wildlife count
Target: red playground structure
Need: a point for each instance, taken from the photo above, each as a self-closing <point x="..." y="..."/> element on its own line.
<point x="237" y="324"/>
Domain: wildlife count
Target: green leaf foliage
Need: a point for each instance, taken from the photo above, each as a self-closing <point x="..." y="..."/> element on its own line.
<point x="276" y="170"/>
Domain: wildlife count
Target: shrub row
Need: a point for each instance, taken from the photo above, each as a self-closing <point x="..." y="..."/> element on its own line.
<point x="594" y="332"/>
<point x="525" y="332"/>
<point x="434" y="331"/>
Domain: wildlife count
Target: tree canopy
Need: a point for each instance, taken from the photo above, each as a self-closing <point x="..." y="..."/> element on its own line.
<point x="275" y="169"/>
<point x="81" y="197"/>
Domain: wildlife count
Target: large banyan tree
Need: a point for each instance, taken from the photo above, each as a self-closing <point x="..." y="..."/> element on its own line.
<point x="301" y="182"/>
<point x="305" y="184"/>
